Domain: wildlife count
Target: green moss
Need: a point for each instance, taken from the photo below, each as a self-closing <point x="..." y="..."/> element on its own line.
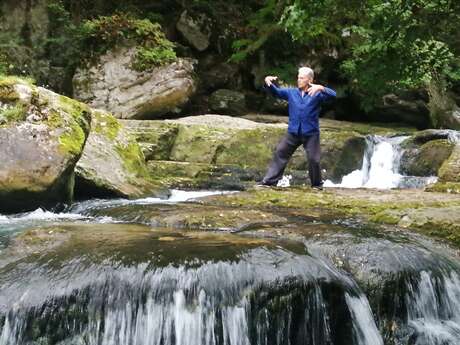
<point x="11" y="80"/>
<point x="252" y="148"/>
<point x="106" y="124"/>
<point x="132" y="158"/>
<point x="16" y="113"/>
<point x="385" y="218"/>
<point x="73" y="139"/>
<point x="444" y="187"/>
<point x="153" y="48"/>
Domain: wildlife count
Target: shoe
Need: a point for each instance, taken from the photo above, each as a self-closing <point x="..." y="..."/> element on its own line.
<point x="263" y="185"/>
<point x="320" y="187"/>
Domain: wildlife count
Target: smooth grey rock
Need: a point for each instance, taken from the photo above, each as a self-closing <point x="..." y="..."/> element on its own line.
<point x="196" y="30"/>
<point x="113" y="85"/>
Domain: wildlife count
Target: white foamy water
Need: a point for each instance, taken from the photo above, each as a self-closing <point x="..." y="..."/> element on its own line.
<point x="380" y="168"/>
<point x="39" y="215"/>
<point x="175" y="197"/>
<point x="178" y="196"/>
<point x="434" y="308"/>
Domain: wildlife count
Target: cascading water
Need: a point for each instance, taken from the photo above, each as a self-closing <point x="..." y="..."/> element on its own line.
<point x="104" y="282"/>
<point x="261" y="296"/>
<point x="380" y="167"/>
<point x="433" y="308"/>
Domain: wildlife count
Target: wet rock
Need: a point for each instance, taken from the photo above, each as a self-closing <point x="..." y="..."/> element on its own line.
<point x="450" y="169"/>
<point x="191" y="217"/>
<point x="443" y="222"/>
<point x="426" y="159"/>
<point x="396" y="207"/>
<point x="42" y="137"/>
<point x="444" y="187"/>
<point x="113" y="85"/>
<point x="112" y="164"/>
<point x="227" y="102"/>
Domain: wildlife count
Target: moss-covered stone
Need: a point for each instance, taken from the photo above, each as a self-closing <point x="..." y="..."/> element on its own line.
<point x="112" y="163"/>
<point x="450" y="169"/>
<point x="426" y="159"/>
<point x="444" y="187"/>
<point x="435" y="214"/>
<point x="155" y="137"/>
<point x="243" y="144"/>
<point x="43" y="135"/>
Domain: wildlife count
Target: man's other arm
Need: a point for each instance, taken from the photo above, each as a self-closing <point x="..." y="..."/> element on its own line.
<point x="323" y="92"/>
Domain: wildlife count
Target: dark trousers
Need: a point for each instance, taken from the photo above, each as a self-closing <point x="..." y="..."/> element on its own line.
<point x="286" y="147"/>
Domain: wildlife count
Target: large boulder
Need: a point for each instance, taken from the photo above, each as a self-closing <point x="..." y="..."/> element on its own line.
<point x="227" y="102"/>
<point x="112" y="163"/>
<point x="444" y="111"/>
<point x="410" y="107"/>
<point x="42" y="135"/>
<point x="196" y="29"/>
<point x="425" y="160"/>
<point x="226" y="152"/>
<point x="112" y="84"/>
<point x="450" y="169"/>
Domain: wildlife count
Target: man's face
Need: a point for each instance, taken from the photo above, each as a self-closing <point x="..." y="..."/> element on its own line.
<point x="303" y="80"/>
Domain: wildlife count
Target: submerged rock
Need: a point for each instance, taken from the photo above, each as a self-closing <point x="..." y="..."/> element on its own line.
<point x="42" y="135"/>
<point x="112" y="163"/>
<point x="113" y="85"/>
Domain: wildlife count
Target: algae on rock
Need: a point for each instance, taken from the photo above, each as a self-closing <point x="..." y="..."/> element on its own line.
<point x="112" y="163"/>
<point x="41" y="146"/>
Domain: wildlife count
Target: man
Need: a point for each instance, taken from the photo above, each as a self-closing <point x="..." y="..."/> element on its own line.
<point x="303" y="129"/>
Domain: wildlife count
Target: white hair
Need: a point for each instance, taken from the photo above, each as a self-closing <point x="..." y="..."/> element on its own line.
<point x="307" y="71"/>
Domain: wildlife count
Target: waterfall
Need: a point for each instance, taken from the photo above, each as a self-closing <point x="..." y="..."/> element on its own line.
<point x="262" y="297"/>
<point x="433" y="308"/>
<point x="380" y="167"/>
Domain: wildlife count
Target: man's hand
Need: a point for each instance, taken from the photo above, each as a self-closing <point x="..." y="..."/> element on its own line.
<point x="269" y="79"/>
<point x="314" y="89"/>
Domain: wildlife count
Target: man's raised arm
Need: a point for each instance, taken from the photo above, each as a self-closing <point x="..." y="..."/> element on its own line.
<point x="276" y="91"/>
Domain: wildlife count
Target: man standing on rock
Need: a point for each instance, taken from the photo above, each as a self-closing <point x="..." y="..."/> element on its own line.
<point x="303" y="129"/>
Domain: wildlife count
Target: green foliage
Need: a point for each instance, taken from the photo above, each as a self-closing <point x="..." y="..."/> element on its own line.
<point x="261" y="26"/>
<point x="4" y="64"/>
<point x="64" y="46"/>
<point x="398" y="45"/>
<point x="153" y="50"/>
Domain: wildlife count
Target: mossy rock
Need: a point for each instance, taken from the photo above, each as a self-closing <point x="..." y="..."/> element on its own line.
<point x="155" y="138"/>
<point x="444" y="187"/>
<point x="228" y="141"/>
<point x="426" y="159"/>
<point x="112" y="163"/>
<point x="434" y="214"/>
<point x="42" y="143"/>
<point x="188" y="175"/>
<point x="450" y="169"/>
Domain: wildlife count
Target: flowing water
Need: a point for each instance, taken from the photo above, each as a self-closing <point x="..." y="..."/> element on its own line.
<point x="93" y="276"/>
<point x="380" y="168"/>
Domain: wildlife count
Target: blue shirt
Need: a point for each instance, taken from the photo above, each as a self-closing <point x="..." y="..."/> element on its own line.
<point x="303" y="111"/>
